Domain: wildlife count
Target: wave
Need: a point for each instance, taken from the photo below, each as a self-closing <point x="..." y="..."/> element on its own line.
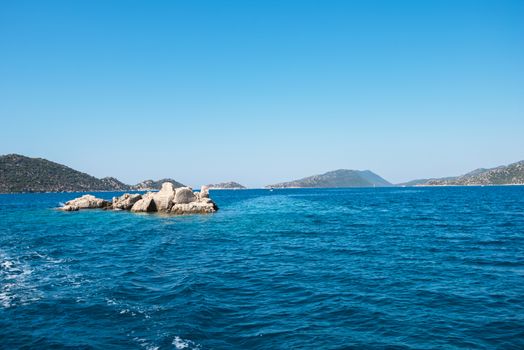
<point x="15" y="282"/>
<point x="180" y="344"/>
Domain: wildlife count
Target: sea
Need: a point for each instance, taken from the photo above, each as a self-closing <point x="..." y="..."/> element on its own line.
<point x="369" y="268"/>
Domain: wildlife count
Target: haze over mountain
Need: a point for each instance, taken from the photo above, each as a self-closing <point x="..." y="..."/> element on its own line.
<point x="337" y="178"/>
<point x="420" y="182"/>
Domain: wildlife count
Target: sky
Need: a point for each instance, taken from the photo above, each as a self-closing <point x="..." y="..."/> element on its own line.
<point x="260" y="92"/>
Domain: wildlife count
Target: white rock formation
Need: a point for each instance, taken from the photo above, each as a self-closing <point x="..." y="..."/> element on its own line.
<point x="164" y="198"/>
<point x="168" y="200"/>
<point x="87" y="201"/>
<point x="146" y="204"/>
<point x="204" y="192"/>
<point x="199" y="207"/>
<point x="126" y="201"/>
<point x="184" y="195"/>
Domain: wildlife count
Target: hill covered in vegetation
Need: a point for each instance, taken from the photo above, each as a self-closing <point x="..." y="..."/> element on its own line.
<point x="23" y="174"/>
<point x="512" y="174"/>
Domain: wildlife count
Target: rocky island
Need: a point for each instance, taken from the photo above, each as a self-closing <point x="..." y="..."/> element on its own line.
<point x="169" y="199"/>
<point x="148" y="185"/>
<point x="226" y="186"/>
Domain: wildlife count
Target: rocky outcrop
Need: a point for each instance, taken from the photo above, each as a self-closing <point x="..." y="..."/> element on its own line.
<point x="168" y="200"/>
<point x="184" y="195"/>
<point x="205" y="206"/>
<point x="126" y="201"/>
<point x="164" y="198"/>
<point x="87" y="201"/>
<point x="144" y="205"/>
<point x="204" y="192"/>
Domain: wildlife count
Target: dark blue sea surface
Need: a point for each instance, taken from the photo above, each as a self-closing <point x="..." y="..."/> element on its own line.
<point x="397" y="268"/>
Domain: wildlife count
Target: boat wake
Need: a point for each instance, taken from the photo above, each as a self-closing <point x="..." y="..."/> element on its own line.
<point x="15" y="288"/>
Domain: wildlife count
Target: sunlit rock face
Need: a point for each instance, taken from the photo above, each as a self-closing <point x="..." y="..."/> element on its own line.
<point x="178" y="201"/>
<point x="87" y="201"/>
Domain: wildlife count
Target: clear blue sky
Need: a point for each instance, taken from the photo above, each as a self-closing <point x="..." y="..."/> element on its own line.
<point x="263" y="91"/>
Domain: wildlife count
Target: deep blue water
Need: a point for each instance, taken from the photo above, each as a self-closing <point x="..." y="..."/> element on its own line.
<point x="399" y="268"/>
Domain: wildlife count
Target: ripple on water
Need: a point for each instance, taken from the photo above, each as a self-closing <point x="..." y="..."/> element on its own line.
<point x="306" y="269"/>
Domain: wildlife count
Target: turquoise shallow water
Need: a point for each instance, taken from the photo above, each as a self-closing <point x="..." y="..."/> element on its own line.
<point x="399" y="268"/>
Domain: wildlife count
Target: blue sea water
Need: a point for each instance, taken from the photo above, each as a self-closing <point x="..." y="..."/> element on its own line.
<point x="397" y="268"/>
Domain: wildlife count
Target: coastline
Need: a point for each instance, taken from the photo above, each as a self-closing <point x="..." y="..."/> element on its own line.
<point x="264" y="188"/>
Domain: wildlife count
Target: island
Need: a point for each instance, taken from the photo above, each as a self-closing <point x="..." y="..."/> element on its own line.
<point x="149" y="185"/>
<point x="226" y="186"/>
<point x="169" y="199"/>
<point x="337" y="179"/>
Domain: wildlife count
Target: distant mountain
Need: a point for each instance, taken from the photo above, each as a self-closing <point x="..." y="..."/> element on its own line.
<point x="154" y="185"/>
<point x="411" y="183"/>
<point x="512" y="174"/>
<point x="475" y="172"/>
<point x="227" y="186"/>
<point x="338" y="178"/>
<point x="23" y="174"/>
<point x="421" y="182"/>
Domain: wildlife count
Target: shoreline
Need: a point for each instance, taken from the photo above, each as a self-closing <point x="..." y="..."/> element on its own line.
<point x="267" y="189"/>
